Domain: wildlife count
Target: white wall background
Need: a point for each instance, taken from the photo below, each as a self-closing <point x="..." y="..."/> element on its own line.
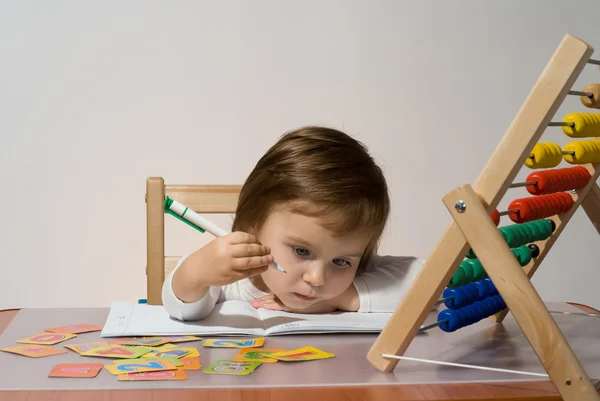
<point x="97" y="96"/>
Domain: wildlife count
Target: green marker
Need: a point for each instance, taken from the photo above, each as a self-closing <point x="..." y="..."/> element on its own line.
<point x="198" y="222"/>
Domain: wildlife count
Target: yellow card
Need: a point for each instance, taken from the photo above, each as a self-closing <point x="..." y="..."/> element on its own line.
<point x="179" y="374"/>
<point x="225" y="343"/>
<point x="256" y="355"/>
<point x="301" y="354"/>
<point x="117" y="351"/>
<point x="147" y="365"/>
<point x="143" y="341"/>
<point x="171" y="352"/>
<point x="171" y="359"/>
<point x="192" y="352"/>
<point x="35" y="351"/>
<point x="47" y="338"/>
<point x="83" y="347"/>
<point x="191" y="363"/>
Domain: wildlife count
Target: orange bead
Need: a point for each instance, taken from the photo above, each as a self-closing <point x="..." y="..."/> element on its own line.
<point x="496" y="217"/>
<point x="539" y="207"/>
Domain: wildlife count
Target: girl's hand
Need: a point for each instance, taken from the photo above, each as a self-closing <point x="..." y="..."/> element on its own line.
<point x="224" y="260"/>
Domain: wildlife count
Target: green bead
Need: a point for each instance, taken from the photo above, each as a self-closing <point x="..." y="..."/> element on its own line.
<point x="523" y="254"/>
<point x="458" y="278"/>
<point x="521" y="234"/>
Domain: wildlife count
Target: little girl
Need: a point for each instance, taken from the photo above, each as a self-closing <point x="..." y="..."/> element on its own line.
<point x="317" y="204"/>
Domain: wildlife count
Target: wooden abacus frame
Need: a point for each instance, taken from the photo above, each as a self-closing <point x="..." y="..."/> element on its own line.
<point x="472" y="227"/>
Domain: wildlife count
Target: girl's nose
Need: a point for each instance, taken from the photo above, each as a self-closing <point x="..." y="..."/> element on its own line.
<point x="315" y="274"/>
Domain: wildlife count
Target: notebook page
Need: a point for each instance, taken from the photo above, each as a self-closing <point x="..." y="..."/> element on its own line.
<point x="278" y="322"/>
<point x="228" y="318"/>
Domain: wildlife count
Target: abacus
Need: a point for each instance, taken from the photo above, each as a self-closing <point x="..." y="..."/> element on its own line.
<point x="481" y="270"/>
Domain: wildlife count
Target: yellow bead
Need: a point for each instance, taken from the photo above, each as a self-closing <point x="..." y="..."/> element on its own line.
<point x="544" y="155"/>
<point x="586" y="125"/>
<point x="585" y="152"/>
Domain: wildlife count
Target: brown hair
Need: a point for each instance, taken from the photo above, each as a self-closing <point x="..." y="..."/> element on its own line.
<point x="316" y="171"/>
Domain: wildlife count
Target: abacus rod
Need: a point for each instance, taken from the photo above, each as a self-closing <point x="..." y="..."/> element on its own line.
<point x="579" y="93"/>
<point x="560" y="124"/>
<point x="431" y="326"/>
<point x="592" y="61"/>
<point x="507" y="212"/>
<point x="564" y="152"/>
<point x="522" y="184"/>
<point x="462" y="365"/>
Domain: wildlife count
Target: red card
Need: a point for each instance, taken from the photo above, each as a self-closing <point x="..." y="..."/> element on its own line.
<point x="75" y="329"/>
<point x="76" y="370"/>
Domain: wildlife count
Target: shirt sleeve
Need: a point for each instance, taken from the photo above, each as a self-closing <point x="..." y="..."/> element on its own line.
<point x="385" y="282"/>
<point x="180" y="310"/>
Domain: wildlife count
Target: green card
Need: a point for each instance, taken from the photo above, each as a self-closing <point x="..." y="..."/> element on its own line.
<point x="229" y="367"/>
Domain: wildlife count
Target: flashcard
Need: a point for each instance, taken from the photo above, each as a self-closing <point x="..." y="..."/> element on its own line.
<point x="117" y="351"/>
<point x="47" y="338"/>
<point x="173" y="352"/>
<point x="144" y="341"/>
<point x="181" y="339"/>
<point x="191" y="351"/>
<point x="179" y="374"/>
<point x="224" y="343"/>
<point x="148" y="365"/>
<point x="228" y="367"/>
<point x="191" y="363"/>
<point x="76" y="370"/>
<point x="35" y="351"/>
<point x="301" y="354"/>
<point x="174" y="361"/>
<point x="83" y="347"/>
<point x="75" y="329"/>
<point x="257" y="355"/>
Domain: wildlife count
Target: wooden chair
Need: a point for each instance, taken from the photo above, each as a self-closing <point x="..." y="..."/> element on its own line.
<point x="204" y="199"/>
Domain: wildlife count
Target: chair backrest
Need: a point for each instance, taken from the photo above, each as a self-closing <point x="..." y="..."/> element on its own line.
<point x="204" y="199"/>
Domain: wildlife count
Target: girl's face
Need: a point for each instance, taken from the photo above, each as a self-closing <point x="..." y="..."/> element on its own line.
<point x="319" y="265"/>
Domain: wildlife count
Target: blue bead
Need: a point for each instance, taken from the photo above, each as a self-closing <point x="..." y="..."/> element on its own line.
<point x="451" y="320"/>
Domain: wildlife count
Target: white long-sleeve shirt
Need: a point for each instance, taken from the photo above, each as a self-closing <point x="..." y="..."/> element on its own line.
<point x="380" y="288"/>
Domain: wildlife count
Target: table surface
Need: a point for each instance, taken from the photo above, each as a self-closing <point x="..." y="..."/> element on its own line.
<point x="348" y="376"/>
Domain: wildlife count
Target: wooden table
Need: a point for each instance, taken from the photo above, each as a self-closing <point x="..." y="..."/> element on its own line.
<point x="544" y="390"/>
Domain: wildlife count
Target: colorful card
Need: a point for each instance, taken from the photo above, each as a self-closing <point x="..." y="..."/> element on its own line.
<point x="147" y="365"/>
<point x="179" y="374"/>
<point x="191" y="363"/>
<point x="82" y="370"/>
<point x="301" y="354"/>
<point x="83" y="347"/>
<point x="172" y="352"/>
<point x="175" y="361"/>
<point x="47" y="338"/>
<point x="191" y="351"/>
<point x="35" y="351"/>
<point x="75" y="329"/>
<point x="143" y="341"/>
<point x="117" y="351"/>
<point x="229" y="367"/>
<point x="181" y="339"/>
<point x="257" y="355"/>
<point x="226" y="343"/>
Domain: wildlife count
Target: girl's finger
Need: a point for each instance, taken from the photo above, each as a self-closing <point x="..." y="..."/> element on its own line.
<point x="246" y="250"/>
<point x="240" y="237"/>
<point x="252" y="262"/>
<point x="254" y="272"/>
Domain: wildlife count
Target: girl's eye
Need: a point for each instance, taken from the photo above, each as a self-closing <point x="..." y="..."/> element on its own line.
<point x="301" y="251"/>
<point x="340" y="262"/>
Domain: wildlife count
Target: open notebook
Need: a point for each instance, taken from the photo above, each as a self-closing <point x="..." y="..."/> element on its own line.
<point x="235" y="318"/>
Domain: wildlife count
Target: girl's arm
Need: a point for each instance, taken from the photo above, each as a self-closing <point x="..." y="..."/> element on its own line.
<point x="180" y="310"/>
